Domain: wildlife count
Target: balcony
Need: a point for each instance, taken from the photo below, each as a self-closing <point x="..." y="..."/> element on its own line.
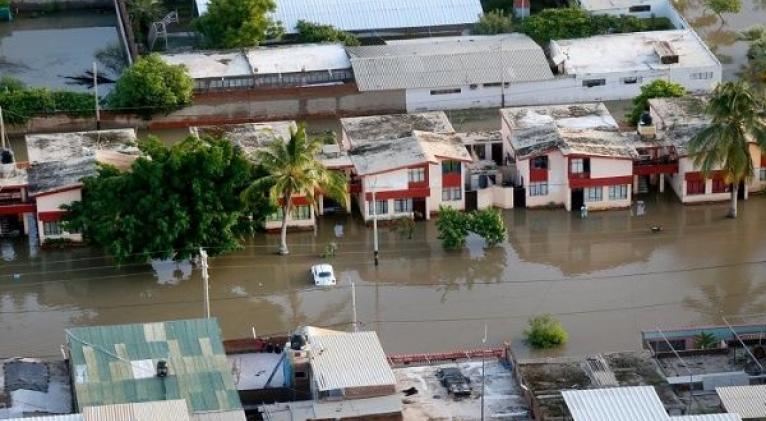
<point x="661" y="165"/>
<point x="585" y="175"/>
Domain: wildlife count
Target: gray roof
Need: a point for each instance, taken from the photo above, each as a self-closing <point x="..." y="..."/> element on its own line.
<point x="248" y="136"/>
<point x="394" y="126"/>
<point x="341" y="360"/>
<point x="30" y="386"/>
<point x="747" y="401"/>
<point x="480" y="137"/>
<point x="678" y="120"/>
<point x="55" y="175"/>
<point x="62" y="146"/>
<point x="615" y="404"/>
<point x="169" y="410"/>
<point x="450" y="62"/>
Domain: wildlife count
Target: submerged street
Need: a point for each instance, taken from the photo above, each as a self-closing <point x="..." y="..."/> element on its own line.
<point x="606" y="277"/>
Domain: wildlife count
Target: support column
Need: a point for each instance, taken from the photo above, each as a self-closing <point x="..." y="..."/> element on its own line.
<point x="662" y="183"/>
<point x="635" y="184"/>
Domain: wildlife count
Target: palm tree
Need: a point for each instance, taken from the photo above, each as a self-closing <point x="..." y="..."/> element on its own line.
<point x="705" y="340"/>
<point x="734" y="109"/>
<point x="291" y="170"/>
<point x="143" y="13"/>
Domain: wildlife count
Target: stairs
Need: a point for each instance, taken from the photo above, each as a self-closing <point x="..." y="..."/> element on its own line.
<point x="5" y="227"/>
<point x="643" y="185"/>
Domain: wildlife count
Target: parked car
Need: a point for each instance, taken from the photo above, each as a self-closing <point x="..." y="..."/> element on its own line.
<point x="454" y="381"/>
<point x="323" y="275"/>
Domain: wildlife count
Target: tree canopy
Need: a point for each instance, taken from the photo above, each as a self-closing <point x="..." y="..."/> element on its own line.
<point x="20" y="103"/>
<point x="238" y="23"/>
<point x="755" y="71"/>
<point x="151" y="85"/>
<point x="314" y="32"/>
<point x="736" y="119"/>
<point x="659" y="88"/>
<point x="494" y="22"/>
<point x="719" y="7"/>
<point x="172" y="201"/>
<point x="454" y="226"/>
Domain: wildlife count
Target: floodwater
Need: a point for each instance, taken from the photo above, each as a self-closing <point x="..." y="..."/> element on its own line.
<point x="606" y="277"/>
<point x="48" y="50"/>
<point x="722" y="35"/>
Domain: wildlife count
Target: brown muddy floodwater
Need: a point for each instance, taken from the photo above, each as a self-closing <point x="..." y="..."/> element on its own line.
<point x="606" y="277"/>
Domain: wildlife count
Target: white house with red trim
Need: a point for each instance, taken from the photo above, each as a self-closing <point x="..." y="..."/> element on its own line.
<point x="570" y="155"/>
<point x="251" y="137"/>
<point x="17" y="209"/>
<point x="675" y="121"/>
<point x="57" y="164"/>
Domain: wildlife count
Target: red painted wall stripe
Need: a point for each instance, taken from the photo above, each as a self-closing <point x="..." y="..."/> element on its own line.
<point x="400" y="194"/>
<point x="50" y="216"/>
<point x="595" y="182"/>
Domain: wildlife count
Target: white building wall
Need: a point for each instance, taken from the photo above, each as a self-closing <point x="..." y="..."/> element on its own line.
<point x="558" y="181"/>
<point x="607" y="167"/>
<point x="53" y="203"/>
<point x="276" y="224"/>
<point x="756" y="185"/>
<point x="658" y="8"/>
<point x="678" y="181"/>
<point x="607" y="203"/>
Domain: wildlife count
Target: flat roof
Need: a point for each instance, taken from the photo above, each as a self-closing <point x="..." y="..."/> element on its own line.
<point x="422" y="147"/>
<point x="350" y="408"/>
<point x="393" y="126"/>
<point x="62" y="146"/>
<point x="686" y="110"/>
<point x="30" y="386"/>
<point x="630" y="52"/>
<point x="480" y="137"/>
<point x="451" y="62"/>
<point x="596" y="5"/>
<point x="341" y="360"/>
<point x="46" y="177"/>
<point x="117" y="364"/>
<point x="248" y="136"/>
<point x="211" y="64"/>
<point x="12" y="175"/>
<point x="252" y="370"/>
<point x="368" y="15"/>
<point x="297" y="58"/>
<point x="746" y="401"/>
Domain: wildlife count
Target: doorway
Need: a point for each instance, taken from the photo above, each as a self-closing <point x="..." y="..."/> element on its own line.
<point x="471" y="200"/>
<point x="519" y="197"/>
<point x="578" y="199"/>
<point x="419" y="208"/>
<point x="497" y="153"/>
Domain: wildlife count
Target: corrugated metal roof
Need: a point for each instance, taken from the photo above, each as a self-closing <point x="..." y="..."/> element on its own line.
<point x="341" y="360"/>
<point x="708" y="417"/>
<point x="116" y="364"/>
<point x="454" y="62"/>
<point x="71" y="417"/>
<point x="238" y="415"/>
<point x="369" y="15"/>
<point x="615" y="404"/>
<point x="174" y="410"/>
<point x="747" y="401"/>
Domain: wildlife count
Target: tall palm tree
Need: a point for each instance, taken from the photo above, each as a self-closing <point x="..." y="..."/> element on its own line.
<point x="735" y="110"/>
<point x="292" y="171"/>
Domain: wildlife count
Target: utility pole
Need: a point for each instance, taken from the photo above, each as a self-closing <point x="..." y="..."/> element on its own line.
<point x="95" y="96"/>
<point x="2" y="128"/>
<point x="205" y="280"/>
<point x="353" y="307"/>
<point x="483" y="357"/>
<point x="375" y="226"/>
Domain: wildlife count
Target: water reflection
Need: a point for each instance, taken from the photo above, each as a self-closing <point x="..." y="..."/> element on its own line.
<point x="169" y="272"/>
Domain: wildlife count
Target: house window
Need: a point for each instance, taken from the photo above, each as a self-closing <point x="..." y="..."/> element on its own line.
<point x="381" y="207"/>
<point x="402" y="205"/>
<point x="618" y="192"/>
<point x="445" y="91"/>
<point x="538" y="188"/>
<point x="591" y="83"/>
<point x="695" y="187"/>
<point x="480" y="151"/>
<point x="540" y="163"/>
<point x="631" y="80"/>
<point x="492" y="85"/>
<point x="52" y="228"/>
<point x="450" y="167"/>
<point x="640" y="8"/>
<point x="301" y="213"/>
<point x="276" y="216"/>
<point x="417" y="175"/>
<point x="762" y="175"/>
<point x="451" y="193"/>
<point x="594" y="194"/>
<point x="720" y="185"/>
<point x="577" y="166"/>
<point x="701" y="76"/>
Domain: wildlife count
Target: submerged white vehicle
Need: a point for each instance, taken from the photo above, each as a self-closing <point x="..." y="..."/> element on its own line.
<point x="323" y="275"/>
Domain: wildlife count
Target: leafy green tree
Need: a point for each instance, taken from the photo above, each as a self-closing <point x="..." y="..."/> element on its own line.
<point x="570" y="22"/>
<point x="21" y="103"/>
<point x="494" y="22"/>
<point x="705" y="340"/>
<point x="755" y="71"/>
<point x="151" y="85"/>
<point x="292" y="171"/>
<point x="143" y="13"/>
<point x="736" y="114"/>
<point x="719" y="7"/>
<point x="489" y="224"/>
<point x="314" y="32"/>
<point x="659" y="88"/>
<point x="453" y="228"/>
<point x="238" y="23"/>
<point x="545" y="331"/>
<point x="173" y="201"/>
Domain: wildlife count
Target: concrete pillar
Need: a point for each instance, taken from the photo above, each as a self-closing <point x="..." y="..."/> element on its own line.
<point x="635" y="184"/>
<point x="25" y="221"/>
<point x="662" y="183"/>
<point x="428" y="211"/>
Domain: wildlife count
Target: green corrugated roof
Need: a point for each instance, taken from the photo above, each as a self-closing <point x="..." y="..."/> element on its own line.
<point x="103" y="361"/>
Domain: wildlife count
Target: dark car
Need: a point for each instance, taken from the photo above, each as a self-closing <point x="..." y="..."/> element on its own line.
<point x="453" y="379"/>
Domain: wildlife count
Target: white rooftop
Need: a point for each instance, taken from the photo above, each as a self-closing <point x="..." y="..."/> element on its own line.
<point x="253" y="369"/>
<point x="297" y="58"/>
<point x="615" y="404"/>
<point x="211" y="64"/>
<point x="341" y="360"/>
<point x="170" y="410"/>
<point x="393" y="126"/>
<point x="248" y="136"/>
<point x="351" y="408"/>
<point x="630" y="52"/>
<point x="746" y="401"/>
<point x="64" y="146"/>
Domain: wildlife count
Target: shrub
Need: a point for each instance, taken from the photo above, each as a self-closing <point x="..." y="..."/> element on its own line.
<point x="657" y="89"/>
<point x="22" y="103"/>
<point x="314" y="32"/>
<point x="489" y="224"/>
<point x="405" y="226"/>
<point x="152" y="85"/>
<point x="453" y="228"/>
<point x="238" y="23"/>
<point x="454" y="225"/>
<point x="494" y="22"/>
<point x="545" y="331"/>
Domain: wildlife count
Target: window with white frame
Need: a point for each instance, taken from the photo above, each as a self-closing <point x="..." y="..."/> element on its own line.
<point x="451" y="194"/>
<point x="618" y="192"/>
<point x="577" y="166"/>
<point x="416" y="175"/>
<point x="301" y="213"/>
<point x="52" y="228"/>
<point x="538" y="188"/>
<point x="381" y="207"/>
<point x="631" y="80"/>
<point x="592" y="83"/>
<point x="762" y="175"/>
<point x="276" y="216"/>
<point x="445" y="91"/>
<point x="402" y="205"/>
<point x="594" y="194"/>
